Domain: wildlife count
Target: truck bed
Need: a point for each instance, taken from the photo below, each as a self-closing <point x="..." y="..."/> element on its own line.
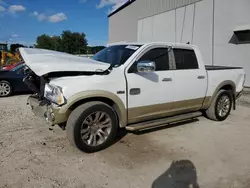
<point x="224" y="74"/>
<point x="214" y="67"/>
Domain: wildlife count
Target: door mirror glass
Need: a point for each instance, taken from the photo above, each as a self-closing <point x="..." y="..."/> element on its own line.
<point x="146" y="66"/>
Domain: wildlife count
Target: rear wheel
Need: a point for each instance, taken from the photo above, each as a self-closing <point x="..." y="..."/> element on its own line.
<point x="92" y="126"/>
<point x="5" y="89"/>
<point x="221" y="106"/>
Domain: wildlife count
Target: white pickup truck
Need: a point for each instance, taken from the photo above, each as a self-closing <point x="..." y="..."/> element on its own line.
<point x="133" y="86"/>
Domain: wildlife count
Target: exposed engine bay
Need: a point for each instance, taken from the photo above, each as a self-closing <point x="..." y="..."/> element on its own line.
<point x="34" y="82"/>
<point x="37" y="83"/>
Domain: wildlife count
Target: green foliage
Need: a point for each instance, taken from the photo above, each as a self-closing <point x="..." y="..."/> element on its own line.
<point x="48" y="42"/>
<point x="70" y="42"/>
<point x="13" y="47"/>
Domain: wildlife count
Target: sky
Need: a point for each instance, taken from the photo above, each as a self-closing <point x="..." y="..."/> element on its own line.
<point x="21" y="21"/>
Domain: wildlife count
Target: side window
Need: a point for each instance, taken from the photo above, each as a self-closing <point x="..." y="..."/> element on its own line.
<point x="185" y="59"/>
<point x="159" y="56"/>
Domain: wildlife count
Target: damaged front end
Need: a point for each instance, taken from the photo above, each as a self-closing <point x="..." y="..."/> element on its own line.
<point x="43" y="66"/>
<point x="48" y="100"/>
<point x="40" y="106"/>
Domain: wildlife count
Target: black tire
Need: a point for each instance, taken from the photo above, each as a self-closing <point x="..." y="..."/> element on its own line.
<point x="76" y="119"/>
<point x="213" y="112"/>
<point x="10" y="89"/>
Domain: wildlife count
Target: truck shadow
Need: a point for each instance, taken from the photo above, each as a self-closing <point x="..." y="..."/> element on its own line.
<point x="166" y="126"/>
<point x="180" y="174"/>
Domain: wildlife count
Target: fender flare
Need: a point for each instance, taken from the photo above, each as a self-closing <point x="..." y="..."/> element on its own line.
<point x="88" y="95"/>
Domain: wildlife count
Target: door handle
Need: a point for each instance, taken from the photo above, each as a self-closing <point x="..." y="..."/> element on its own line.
<point x="167" y="79"/>
<point x="201" y="77"/>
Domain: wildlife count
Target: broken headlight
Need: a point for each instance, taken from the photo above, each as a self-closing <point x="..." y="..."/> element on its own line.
<point x="54" y="94"/>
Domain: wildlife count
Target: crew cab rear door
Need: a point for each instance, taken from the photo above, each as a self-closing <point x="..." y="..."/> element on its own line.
<point x="150" y="94"/>
<point x="189" y="79"/>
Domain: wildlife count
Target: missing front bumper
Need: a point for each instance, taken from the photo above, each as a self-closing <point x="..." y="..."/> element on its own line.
<point x="49" y="113"/>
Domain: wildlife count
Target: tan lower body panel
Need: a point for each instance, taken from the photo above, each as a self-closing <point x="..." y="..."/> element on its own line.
<point x="206" y="103"/>
<point x="145" y="113"/>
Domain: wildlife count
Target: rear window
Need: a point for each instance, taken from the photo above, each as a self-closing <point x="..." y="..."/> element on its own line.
<point x="185" y="59"/>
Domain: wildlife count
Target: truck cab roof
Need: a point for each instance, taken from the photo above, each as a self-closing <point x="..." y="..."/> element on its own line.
<point x="176" y="45"/>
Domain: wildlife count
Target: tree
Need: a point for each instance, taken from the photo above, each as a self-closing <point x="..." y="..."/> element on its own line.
<point x="48" y="42"/>
<point x="94" y="49"/>
<point x="13" y="47"/>
<point x="70" y="42"/>
<point x="74" y="43"/>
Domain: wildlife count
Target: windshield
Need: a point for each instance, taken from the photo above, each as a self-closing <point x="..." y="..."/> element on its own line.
<point x="116" y="55"/>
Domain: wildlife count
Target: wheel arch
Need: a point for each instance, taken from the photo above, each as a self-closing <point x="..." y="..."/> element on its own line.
<point x="107" y="97"/>
<point x="6" y="80"/>
<point x="226" y="85"/>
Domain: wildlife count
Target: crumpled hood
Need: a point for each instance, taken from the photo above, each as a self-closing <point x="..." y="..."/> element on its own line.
<point x="42" y="62"/>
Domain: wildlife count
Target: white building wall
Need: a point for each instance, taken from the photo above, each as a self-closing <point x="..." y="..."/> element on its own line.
<point x="164" y="26"/>
<point x="186" y="32"/>
<point x="203" y="29"/>
<point x="185" y="21"/>
<point x="123" y="24"/>
<point x="194" y="23"/>
<point x="236" y="13"/>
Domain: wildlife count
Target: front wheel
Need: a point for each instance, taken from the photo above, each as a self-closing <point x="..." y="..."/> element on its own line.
<point x="92" y="126"/>
<point x="221" y="106"/>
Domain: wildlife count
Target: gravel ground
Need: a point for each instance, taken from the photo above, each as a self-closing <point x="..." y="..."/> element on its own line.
<point x="201" y="153"/>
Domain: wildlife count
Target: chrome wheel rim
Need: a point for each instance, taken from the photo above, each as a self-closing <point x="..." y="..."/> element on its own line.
<point x="223" y="106"/>
<point x="4" y="89"/>
<point x="96" y="128"/>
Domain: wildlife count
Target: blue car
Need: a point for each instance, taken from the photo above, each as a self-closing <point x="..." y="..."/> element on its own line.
<point x="12" y="81"/>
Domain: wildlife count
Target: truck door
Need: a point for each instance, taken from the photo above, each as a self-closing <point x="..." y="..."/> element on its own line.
<point x="150" y="94"/>
<point x="190" y="81"/>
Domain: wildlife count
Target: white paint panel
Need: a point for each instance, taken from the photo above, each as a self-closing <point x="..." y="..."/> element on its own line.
<point x="219" y="76"/>
<point x="164" y="27"/>
<point x="187" y="85"/>
<point x="112" y="83"/>
<point x="162" y="92"/>
<point x="203" y="28"/>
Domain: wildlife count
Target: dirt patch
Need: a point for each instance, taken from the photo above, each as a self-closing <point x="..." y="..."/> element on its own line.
<point x="33" y="156"/>
<point x="135" y="150"/>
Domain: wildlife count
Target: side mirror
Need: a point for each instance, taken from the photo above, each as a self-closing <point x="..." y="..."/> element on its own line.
<point x="145" y="66"/>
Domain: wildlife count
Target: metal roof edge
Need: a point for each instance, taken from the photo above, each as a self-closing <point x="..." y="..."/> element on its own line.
<point x="121" y="7"/>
